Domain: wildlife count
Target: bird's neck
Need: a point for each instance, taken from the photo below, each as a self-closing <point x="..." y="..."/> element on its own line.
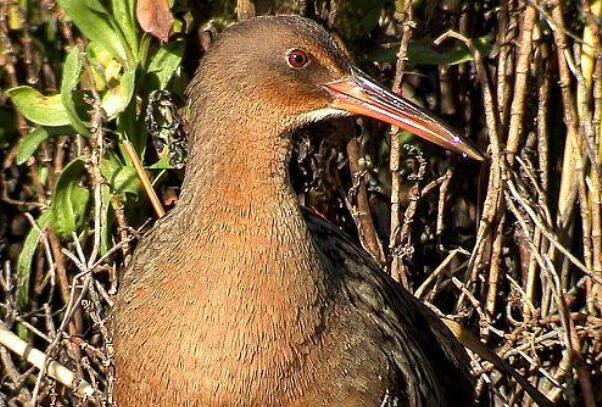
<point x="238" y="174"/>
<point x="240" y="209"/>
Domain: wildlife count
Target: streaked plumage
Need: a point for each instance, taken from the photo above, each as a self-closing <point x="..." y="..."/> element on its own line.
<point x="239" y="297"/>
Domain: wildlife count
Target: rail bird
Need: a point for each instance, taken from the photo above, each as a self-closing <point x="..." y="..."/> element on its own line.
<point x="239" y="296"/>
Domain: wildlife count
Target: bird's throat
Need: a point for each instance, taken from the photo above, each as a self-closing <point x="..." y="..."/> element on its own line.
<point x="238" y="292"/>
<point x="255" y="270"/>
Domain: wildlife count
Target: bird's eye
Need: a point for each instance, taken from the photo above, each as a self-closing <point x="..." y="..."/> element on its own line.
<point x="297" y="59"/>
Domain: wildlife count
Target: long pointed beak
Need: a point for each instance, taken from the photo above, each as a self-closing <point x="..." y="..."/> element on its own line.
<point x="359" y="94"/>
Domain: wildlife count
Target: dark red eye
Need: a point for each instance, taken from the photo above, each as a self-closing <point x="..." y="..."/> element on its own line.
<point x="297" y="58"/>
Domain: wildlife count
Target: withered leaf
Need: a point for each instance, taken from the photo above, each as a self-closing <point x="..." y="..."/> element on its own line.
<point x="154" y="17"/>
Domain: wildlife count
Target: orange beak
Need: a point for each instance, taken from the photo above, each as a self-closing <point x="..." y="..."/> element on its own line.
<point x="359" y="94"/>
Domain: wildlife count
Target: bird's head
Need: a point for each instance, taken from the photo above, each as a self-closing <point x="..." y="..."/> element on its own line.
<point x="287" y="71"/>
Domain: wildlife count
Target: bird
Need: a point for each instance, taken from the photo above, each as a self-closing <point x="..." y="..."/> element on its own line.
<point x="240" y="296"/>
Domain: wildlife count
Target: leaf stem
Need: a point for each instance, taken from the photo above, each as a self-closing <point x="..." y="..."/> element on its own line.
<point x="148" y="187"/>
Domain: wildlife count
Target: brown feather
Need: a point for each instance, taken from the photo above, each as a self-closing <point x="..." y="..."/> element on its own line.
<point x="239" y="298"/>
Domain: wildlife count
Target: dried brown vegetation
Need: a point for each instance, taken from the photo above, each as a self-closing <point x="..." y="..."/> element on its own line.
<point x="511" y="249"/>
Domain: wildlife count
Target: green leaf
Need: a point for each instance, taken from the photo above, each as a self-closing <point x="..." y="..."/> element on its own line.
<point x="117" y="99"/>
<point x="122" y="178"/>
<point x="95" y="5"/>
<point x="71" y="74"/>
<point x="43" y="174"/>
<point x="162" y="164"/>
<point x="128" y="128"/>
<point x="30" y="144"/>
<point x="93" y="20"/>
<point x="98" y="53"/>
<point x="109" y="164"/>
<point x="164" y="64"/>
<point x="70" y="200"/>
<point x="124" y="12"/>
<point x="40" y="109"/>
<point x="126" y="180"/>
<point x="25" y="260"/>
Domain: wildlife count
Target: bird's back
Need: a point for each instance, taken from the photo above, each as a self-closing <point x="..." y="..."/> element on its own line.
<point x="426" y="366"/>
